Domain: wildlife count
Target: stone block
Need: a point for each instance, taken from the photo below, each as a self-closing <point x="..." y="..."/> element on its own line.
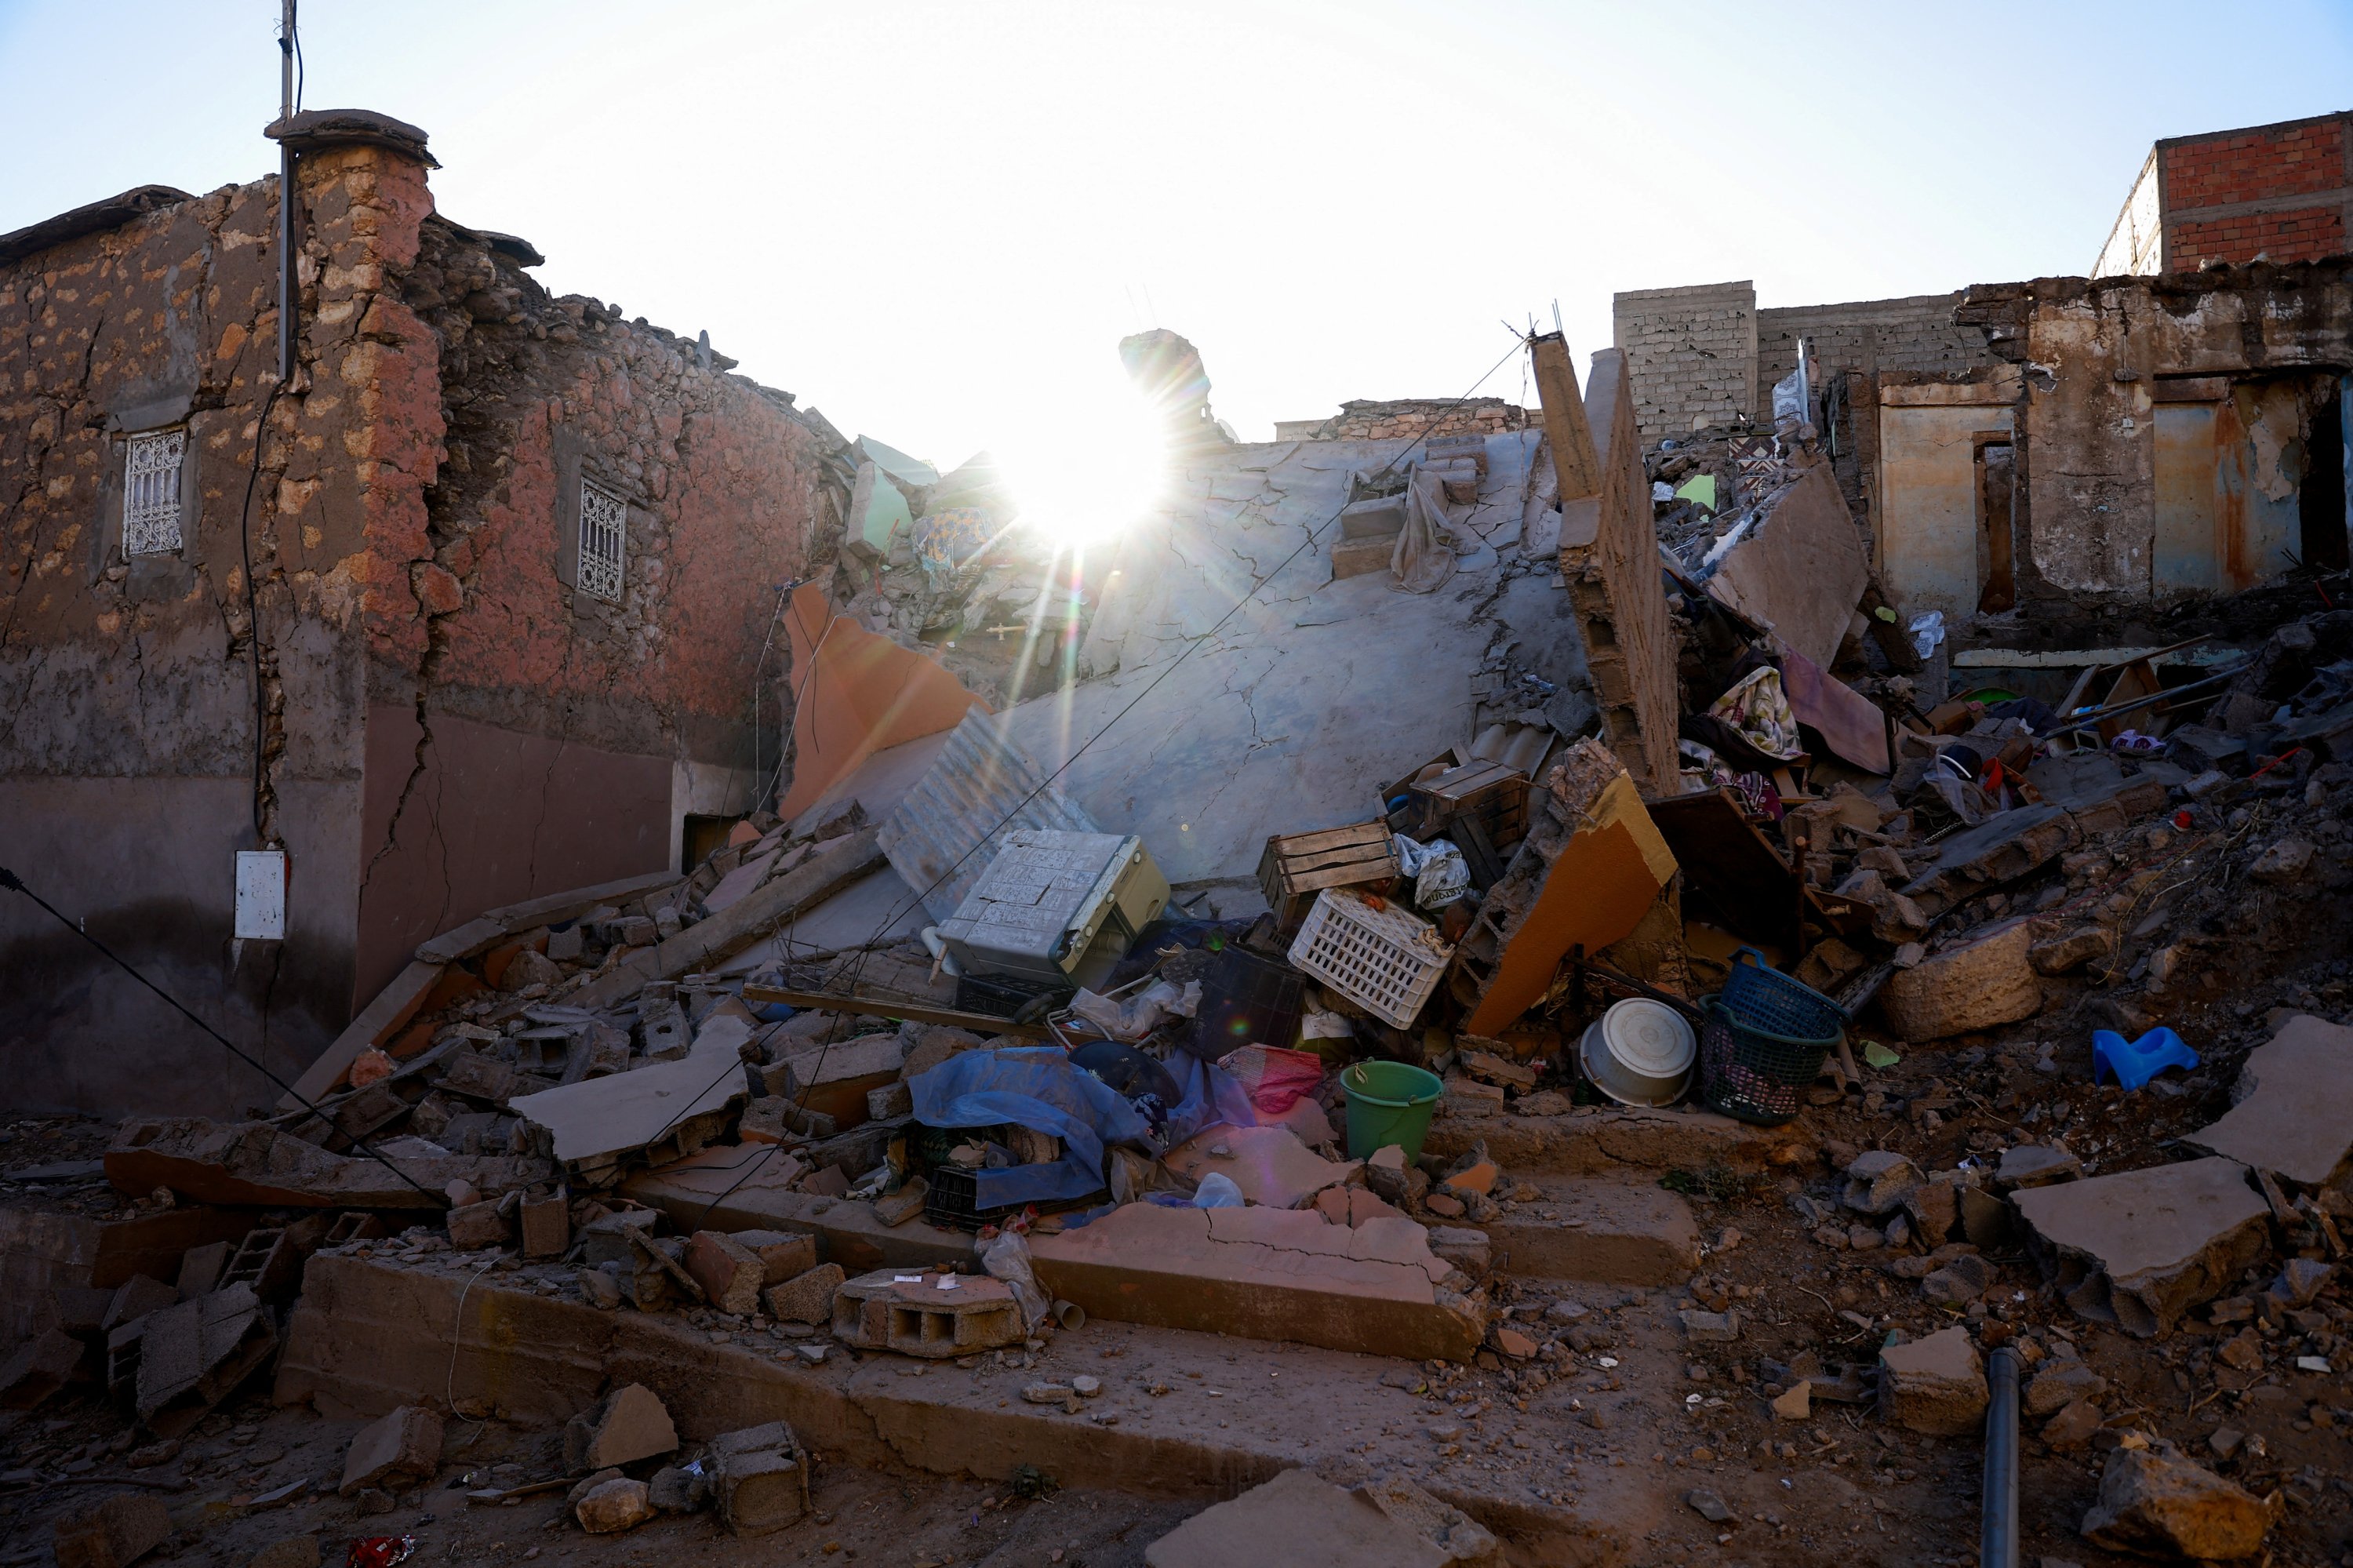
<point x="41" y="1366"/>
<point x="909" y="1311"/>
<point x="730" y="1273"/>
<point x="546" y="1226"/>
<point x="1878" y="1182"/>
<point x="1981" y="983"/>
<point x="1959" y="1282"/>
<point x="474" y="1225"/>
<point x="783" y="1254"/>
<point x="2062" y="954"/>
<point x="1601" y="1231"/>
<point x="2159" y="1505"/>
<point x="1267" y="1273"/>
<point x="113" y="1533"/>
<point x="2060" y="1384"/>
<point x="2074" y="1426"/>
<point x="1379" y="517"/>
<point x="2140" y="1248"/>
<point x="1934" y="1385"/>
<point x="1359" y="557"/>
<point x="807" y="1296"/>
<point x="673" y="1488"/>
<point x="629" y="1424"/>
<point x="890" y="1100"/>
<point x="2292" y="1109"/>
<point x="759" y="1479"/>
<point x="615" y="1506"/>
<point x="395" y="1452"/>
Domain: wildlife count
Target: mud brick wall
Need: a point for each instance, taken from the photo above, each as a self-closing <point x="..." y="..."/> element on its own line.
<point x="1692" y="352"/>
<point x="1407" y="419"/>
<point x="444" y="724"/>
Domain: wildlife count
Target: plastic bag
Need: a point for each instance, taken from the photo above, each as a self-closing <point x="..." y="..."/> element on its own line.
<point x="1216" y="1191"/>
<point x="1140" y="1015"/>
<point x="1275" y="1079"/>
<point x="1927" y="631"/>
<point x="1440" y="874"/>
<point x="1006" y="1258"/>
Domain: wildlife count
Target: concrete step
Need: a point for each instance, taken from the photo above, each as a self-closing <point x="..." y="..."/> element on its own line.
<point x="1598" y="1233"/>
<point x="369" y="1335"/>
<point x="1620" y="1140"/>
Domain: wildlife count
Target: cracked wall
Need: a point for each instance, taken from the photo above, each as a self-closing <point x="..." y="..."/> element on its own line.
<point x="526" y="737"/>
<point x="443" y="722"/>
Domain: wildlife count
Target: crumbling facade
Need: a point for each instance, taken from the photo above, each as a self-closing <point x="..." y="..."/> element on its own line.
<point x="467" y="612"/>
<point x="1403" y="419"/>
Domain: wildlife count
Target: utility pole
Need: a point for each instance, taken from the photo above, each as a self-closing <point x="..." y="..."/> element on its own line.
<point x="285" y="196"/>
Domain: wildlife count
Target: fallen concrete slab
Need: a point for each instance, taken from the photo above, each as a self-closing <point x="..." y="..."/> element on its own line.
<point x="1268" y="1164"/>
<point x="1266" y="1273"/>
<point x="2003" y="847"/>
<point x="1801" y="570"/>
<point x="193" y="1355"/>
<point x="1296" y="1520"/>
<point x="255" y="1164"/>
<point x="1604" y="1232"/>
<point x="2140" y="1248"/>
<point x="598" y="1128"/>
<point x="368" y="1337"/>
<point x="2292" y="1109"/>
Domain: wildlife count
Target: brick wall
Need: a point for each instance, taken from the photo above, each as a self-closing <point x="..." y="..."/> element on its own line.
<point x="1691" y="353"/>
<point x="1415" y="417"/>
<point x="2282" y="192"/>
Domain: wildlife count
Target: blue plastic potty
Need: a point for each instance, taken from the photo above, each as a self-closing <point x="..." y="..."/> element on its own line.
<point x="2133" y="1064"/>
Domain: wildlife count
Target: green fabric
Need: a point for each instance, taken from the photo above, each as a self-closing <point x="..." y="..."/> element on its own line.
<point x="1700" y="487"/>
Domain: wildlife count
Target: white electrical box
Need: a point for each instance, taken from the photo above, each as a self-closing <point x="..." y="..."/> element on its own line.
<point x="1059" y="906"/>
<point x="261" y="895"/>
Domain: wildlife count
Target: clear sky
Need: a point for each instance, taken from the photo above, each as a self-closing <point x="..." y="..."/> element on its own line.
<point x="934" y="221"/>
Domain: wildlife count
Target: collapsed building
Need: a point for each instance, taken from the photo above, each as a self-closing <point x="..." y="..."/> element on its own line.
<point x="1599" y="911"/>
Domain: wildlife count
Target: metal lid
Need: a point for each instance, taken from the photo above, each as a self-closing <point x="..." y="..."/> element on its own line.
<point x="1648" y="1038"/>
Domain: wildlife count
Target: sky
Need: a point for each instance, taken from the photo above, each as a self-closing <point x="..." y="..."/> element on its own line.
<point x="934" y="221"/>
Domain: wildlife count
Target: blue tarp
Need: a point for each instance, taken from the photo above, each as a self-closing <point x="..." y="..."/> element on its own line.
<point x="1037" y="1088"/>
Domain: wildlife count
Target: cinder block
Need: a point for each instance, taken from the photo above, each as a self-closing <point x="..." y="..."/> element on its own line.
<point x="894" y="1309"/>
<point x="1355" y="557"/>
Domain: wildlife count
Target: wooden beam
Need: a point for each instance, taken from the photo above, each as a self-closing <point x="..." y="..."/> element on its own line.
<point x="890" y="1007"/>
<point x="1574" y="459"/>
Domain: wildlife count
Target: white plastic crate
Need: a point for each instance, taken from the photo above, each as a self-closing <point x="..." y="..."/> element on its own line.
<point x="1384" y="959"/>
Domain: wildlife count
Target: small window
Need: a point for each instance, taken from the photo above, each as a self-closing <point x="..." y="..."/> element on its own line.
<point x="603" y="529"/>
<point x="151" y="492"/>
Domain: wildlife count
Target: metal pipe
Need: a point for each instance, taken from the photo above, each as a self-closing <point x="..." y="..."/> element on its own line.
<point x="1998" y="1533"/>
<point x="285" y="197"/>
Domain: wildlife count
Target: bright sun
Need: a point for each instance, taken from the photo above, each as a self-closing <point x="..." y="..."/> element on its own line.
<point x="1091" y="468"/>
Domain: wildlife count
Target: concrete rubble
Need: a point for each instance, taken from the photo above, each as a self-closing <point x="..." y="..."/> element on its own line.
<point x="1599" y="966"/>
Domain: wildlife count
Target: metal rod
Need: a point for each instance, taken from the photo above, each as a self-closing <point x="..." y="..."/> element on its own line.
<point x="1998" y="1533"/>
<point x="285" y="196"/>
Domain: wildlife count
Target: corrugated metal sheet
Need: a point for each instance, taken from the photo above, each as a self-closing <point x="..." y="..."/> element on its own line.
<point x="981" y="786"/>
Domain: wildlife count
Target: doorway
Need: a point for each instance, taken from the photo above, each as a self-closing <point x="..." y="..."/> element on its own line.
<point x="1997" y="546"/>
<point x="2320" y="500"/>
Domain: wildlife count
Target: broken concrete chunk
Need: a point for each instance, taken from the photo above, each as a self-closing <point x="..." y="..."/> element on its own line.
<point x="1935" y="1385"/>
<point x="291" y="1552"/>
<point x="1959" y="1282"/>
<point x="783" y="1254"/>
<point x="731" y="1274"/>
<point x="1983" y="983"/>
<point x="1268" y="1164"/>
<point x="478" y="1225"/>
<point x="808" y="1297"/>
<point x="41" y="1366"/>
<point x="2062" y="1385"/>
<point x="1796" y="1403"/>
<point x="1462" y="1540"/>
<point x="395" y="1453"/>
<point x="2037" y="1165"/>
<point x="2074" y="1426"/>
<point x="194" y="1355"/>
<point x="1295" y="1519"/>
<point x="1878" y="1182"/>
<point x="2002" y="848"/>
<point x="630" y="1425"/>
<point x="546" y="1226"/>
<point x="2141" y="1248"/>
<point x="674" y="1488"/>
<point x="2292" y="1109"/>
<point x="114" y="1533"/>
<point x="759" y="1479"/>
<point x="2062" y="954"/>
<point x="1467" y="1249"/>
<point x="615" y="1506"/>
<point x="2162" y="1505"/>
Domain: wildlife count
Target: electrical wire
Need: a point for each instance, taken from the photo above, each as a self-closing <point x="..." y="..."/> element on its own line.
<point x="10" y="882"/>
<point x="1314" y="536"/>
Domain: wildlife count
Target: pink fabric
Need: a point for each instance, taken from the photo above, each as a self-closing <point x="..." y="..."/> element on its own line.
<point x="1275" y="1079"/>
<point x="1849" y="724"/>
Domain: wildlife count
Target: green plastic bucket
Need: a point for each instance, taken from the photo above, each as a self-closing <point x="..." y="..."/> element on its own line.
<point x="1388" y="1102"/>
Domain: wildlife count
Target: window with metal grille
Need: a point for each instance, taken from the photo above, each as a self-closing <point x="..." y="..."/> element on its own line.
<point x="604" y="530"/>
<point x="151" y="492"/>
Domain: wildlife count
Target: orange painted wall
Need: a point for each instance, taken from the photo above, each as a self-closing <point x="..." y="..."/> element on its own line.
<point x="858" y="693"/>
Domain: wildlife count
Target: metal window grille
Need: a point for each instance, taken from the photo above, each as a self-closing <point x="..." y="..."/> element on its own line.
<point x="151" y="493"/>
<point x="604" y="530"/>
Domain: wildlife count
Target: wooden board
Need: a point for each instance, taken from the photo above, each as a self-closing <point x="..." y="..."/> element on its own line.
<point x="1744" y="879"/>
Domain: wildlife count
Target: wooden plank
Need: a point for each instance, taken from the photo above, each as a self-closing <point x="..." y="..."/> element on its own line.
<point x="739" y="925"/>
<point x="1751" y="887"/>
<point x="376" y="1022"/>
<point x="1340" y="876"/>
<point x="1352" y="854"/>
<point x="1286" y="846"/>
<point x="890" y="1007"/>
<point x="492" y="926"/>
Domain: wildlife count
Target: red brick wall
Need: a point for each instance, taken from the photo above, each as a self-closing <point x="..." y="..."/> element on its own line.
<point x="2232" y="168"/>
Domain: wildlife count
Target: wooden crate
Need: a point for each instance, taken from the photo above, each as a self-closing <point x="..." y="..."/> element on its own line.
<point x="1495" y="796"/>
<point x="1297" y="866"/>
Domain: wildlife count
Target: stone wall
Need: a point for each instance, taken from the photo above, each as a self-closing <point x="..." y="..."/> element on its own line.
<point x="1908" y="337"/>
<point x="1405" y="418"/>
<point x="1692" y="352"/>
